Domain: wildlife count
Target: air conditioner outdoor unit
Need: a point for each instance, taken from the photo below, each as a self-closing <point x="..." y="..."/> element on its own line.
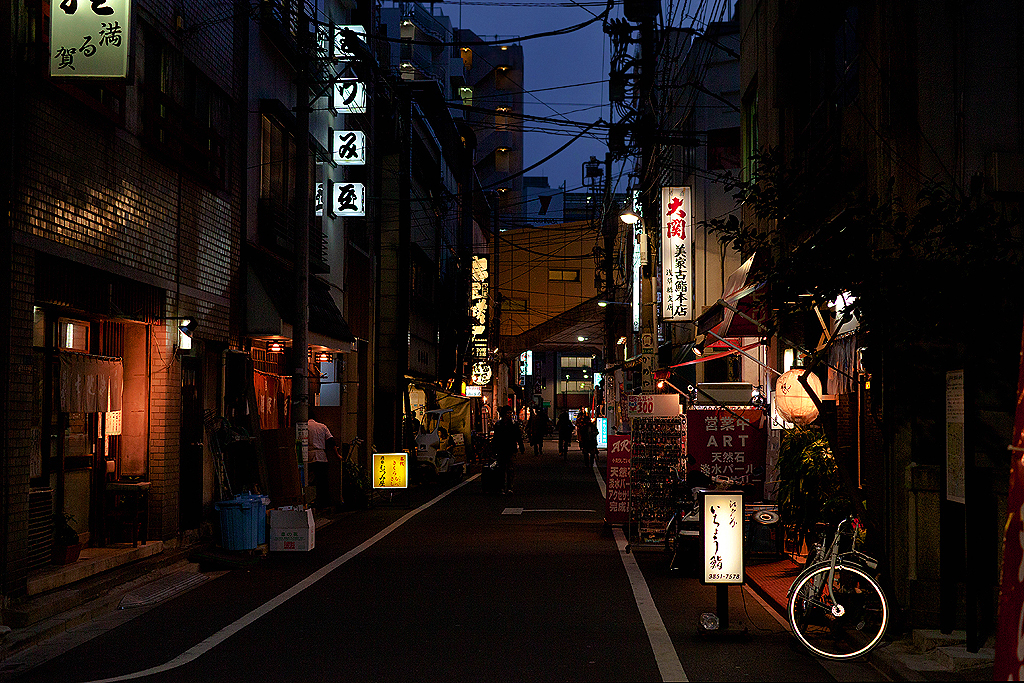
<point x="724" y="393"/>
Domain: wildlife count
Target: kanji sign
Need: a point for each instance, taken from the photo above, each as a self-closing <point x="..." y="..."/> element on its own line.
<point x="676" y="257"/>
<point x="390" y="470"/>
<point x="721" y="533"/>
<point x="729" y="442"/>
<point x="89" y="38"/>
<point x="348" y="199"/>
<point x="348" y="147"/>
<point x="349" y="96"/>
<point x="616" y="510"/>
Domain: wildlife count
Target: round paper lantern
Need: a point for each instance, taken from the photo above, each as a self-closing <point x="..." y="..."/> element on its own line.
<point x="792" y="402"/>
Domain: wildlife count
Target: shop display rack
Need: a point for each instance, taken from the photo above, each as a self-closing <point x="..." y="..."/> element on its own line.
<point x="659" y="450"/>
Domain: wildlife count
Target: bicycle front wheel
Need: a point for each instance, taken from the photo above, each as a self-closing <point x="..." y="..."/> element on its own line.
<point x="841" y="619"/>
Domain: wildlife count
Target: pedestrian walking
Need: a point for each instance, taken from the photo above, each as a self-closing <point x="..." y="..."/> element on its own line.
<point x="506" y="441"/>
<point x="321" y="443"/>
<point x="565" y="428"/>
<point x="586" y="432"/>
<point x="537" y="426"/>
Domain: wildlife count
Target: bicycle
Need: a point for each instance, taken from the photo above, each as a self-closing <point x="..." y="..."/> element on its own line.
<point x="836" y="607"/>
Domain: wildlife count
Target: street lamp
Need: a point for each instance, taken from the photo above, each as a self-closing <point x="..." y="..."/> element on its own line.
<point x="604" y="304"/>
<point x="629" y="217"/>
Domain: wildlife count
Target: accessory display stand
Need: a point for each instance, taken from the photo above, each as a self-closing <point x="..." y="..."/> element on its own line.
<point x="658" y="448"/>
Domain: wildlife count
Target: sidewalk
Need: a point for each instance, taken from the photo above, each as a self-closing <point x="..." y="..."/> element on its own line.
<point x="924" y="655"/>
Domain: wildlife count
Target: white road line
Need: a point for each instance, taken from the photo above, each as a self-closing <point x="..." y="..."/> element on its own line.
<point x="664" y="651"/>
<point x="231" y="629"/>
<point x="661" y="643"/>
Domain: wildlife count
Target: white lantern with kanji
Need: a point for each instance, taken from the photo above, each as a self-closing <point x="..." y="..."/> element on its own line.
<point x="792" y="401"/>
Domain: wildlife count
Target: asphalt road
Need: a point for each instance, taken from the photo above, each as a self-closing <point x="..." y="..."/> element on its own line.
<point x="452" y="584"/>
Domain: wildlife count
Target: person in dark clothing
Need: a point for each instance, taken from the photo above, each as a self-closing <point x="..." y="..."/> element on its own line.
<point x="586" y="431"/>
<point x="565" y="429"/>
<point x="537" y="426"/>
<point x="507" y="439"/>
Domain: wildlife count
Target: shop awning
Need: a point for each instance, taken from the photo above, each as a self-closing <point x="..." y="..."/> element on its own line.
<point x="270" y="311"/>
<point x="740" y="293"/>
<point x="89" y="384"/>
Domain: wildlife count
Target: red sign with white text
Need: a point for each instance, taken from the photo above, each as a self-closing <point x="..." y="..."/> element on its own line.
<point x="1009" y="664"/>
<point x="616" y="502"/>
<point x="729" y="442"/>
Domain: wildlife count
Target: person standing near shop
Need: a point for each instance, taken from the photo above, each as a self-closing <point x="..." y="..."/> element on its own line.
<point x="537" y="426"/>
<point x="321" y="442"/>
<point x="564" y="434"/>
<point x="507" y="439"/>
<point x="586" y="432"/>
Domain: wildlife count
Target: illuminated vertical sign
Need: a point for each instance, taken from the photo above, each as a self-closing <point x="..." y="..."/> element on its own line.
<point x="639" y="254"/>
<point x="348" y="147"/>
<point x="676" y="254"/>
<point x="89" y="38"/>
<point x="479" y="292"/>
<point x="721" y="533"/>
<point x="348" y="199"/>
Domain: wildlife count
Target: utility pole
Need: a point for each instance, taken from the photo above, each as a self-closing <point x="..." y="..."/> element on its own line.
<point x="647" y="135"/>
<point x="300" y="327"/>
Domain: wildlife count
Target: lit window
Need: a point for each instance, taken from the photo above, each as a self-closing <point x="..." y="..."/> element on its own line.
<point x="563" y="275"/>
<point x="72" y="335"/>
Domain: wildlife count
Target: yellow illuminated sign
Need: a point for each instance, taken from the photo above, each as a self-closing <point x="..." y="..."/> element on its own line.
<point x="390" y="470"/>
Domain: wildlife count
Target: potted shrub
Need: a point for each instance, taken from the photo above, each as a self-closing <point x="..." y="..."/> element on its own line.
<point x="66" y="546"/>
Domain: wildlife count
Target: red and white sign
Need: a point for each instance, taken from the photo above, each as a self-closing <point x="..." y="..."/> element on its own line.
<point x="616" y="503"/>
<point x="652" y="405"/>
<point x="1009" y="664"/>
<point x="729" y="442"/>
<point x="676" y="248"/>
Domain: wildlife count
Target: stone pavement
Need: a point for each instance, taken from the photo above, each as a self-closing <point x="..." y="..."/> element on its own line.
<point x="924" y="655"/>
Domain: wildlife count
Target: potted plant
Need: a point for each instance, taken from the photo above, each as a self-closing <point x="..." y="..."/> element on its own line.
<point x="66" y="546"/>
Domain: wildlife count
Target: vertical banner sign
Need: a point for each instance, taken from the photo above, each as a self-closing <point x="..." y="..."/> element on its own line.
<point x="729" y="443"/>
<point x="721" y="535"/>
<point x="478" y="294"/>
<point x="1009" y="664"/>
<point x="616" y="503"/>
<point x="390" y="471"/>
<point x="89" y="38"/>
<point x="676" y="254"/>
<point x="955" y="488"/>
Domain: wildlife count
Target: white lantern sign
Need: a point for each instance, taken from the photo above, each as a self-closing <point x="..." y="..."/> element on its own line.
<point x="349" y="96"/>
<point x="89" y="38"/>
<point x="791" y="400"/>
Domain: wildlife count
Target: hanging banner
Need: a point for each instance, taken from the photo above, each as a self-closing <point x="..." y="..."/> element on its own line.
<point x="676" y="254"/>
<point x="89" y="38"/>
<point x="1009" y="664"/>
<point x="616" y="502"/>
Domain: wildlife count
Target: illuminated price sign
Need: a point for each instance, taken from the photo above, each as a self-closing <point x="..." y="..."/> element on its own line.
<point x="721" y="534"/>
<point x="390" y="470"/>
<point x="652" y="405"/>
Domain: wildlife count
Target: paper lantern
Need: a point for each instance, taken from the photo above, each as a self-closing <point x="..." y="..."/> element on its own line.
<point x="792" y="402"/>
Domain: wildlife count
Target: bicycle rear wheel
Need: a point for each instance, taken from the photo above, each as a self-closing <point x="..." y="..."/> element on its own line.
<point x="843" y="619"/>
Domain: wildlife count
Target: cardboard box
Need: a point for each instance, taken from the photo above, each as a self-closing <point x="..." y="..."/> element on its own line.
<point x="292" y="530"/>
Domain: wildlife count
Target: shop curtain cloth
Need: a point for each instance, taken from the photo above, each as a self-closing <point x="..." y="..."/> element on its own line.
<point x="89" y="384"/>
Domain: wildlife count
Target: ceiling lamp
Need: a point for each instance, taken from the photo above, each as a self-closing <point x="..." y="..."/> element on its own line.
<point x="275" y="347"/>
<point x="792" y="401"/>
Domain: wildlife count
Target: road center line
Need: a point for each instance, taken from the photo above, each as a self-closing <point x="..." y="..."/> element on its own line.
<point x="220" y="636"/>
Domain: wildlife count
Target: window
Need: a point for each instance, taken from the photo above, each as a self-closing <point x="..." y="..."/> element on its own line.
<point x="563" y="275"/>
<point x="467" y="96"/>
<point x="72" y="335"/>
<point x="576" y="361"/>
<point x="575" y="387"/>
<point x="750" y="143"/>
<point x="515" y="305"/>
<point x="277" y="163"/>
<point x="184" y="113"/>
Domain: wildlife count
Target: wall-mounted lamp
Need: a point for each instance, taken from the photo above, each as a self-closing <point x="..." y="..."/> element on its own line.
<point x="186" y="326"/>
<point x="275" y="347"/>
<point x="629" y="217"/>
<point x="324" y="357"/>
